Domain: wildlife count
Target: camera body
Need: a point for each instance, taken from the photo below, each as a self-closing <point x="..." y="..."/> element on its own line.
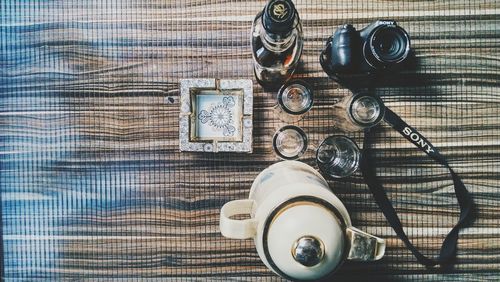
<point x="381" y="46"/>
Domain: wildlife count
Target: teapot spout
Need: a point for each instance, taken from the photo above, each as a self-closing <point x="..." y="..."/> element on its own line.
<point x="363" y="246"/>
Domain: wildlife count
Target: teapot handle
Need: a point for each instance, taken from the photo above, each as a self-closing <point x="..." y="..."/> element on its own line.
<point x="364" y="247"/>
<point x="234" y="228"/>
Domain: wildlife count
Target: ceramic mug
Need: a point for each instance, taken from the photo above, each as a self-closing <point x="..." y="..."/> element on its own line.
<point x="301" y="230"/>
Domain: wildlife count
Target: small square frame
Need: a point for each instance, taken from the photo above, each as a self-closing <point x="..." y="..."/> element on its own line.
<point x="188" y="141"/>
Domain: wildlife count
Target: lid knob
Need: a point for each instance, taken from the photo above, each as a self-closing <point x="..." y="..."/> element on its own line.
<point x="308" y="251"/>
<point x="306" y="239"/>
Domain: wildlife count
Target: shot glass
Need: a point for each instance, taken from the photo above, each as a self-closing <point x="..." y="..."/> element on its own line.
<point x="290" y="142"/>
<point x="338" y="156"/>
<point x="357" y="112"/>
<point x="295" y="99"/>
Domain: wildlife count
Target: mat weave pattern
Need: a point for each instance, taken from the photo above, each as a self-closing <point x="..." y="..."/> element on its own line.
<point x="92" y="181"/>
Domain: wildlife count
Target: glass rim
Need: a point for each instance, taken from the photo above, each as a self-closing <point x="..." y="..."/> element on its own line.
<point x="287" y="85"/>
<point x="301" y="133"/>
<point x="355" y="98"/>
<point x="349" y="140"/>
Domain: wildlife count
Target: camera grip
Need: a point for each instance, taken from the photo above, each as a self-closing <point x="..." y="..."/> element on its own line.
<point x="343" y="44"/>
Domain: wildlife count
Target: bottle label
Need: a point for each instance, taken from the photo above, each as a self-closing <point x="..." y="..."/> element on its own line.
<point x="279" y="11"/>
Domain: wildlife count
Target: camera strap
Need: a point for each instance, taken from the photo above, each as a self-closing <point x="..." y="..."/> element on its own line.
<point x="449" y="246"/>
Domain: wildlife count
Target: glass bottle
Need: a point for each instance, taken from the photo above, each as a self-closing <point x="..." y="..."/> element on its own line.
<point x="277" y="43"/>
<point x="357" y="112"/>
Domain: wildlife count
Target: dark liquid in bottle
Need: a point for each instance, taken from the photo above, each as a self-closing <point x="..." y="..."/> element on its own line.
<point x="269" y="59"/>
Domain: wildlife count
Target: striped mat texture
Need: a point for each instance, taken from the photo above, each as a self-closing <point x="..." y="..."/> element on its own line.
<point x="92" y="182"/>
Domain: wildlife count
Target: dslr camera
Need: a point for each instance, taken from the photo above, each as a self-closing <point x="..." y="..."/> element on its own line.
<point x="377" y="48"/>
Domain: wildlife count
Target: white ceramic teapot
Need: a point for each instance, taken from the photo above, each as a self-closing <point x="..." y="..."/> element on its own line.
<point x="302" y="231"/>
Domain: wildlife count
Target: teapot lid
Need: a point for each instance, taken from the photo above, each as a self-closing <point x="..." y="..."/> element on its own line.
<point x="305" y="239"/>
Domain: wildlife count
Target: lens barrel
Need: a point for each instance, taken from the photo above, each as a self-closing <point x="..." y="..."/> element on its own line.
<point x="387" y="45"/>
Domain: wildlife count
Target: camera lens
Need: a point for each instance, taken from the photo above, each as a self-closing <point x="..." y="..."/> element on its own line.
<point x="390" y="44"/>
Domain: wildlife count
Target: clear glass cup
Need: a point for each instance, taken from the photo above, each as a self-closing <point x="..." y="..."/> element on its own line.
<point x="338" y="156"/>
<point x="357" y="112"/>
<point x="295" y="99"/>
<point x="290" y="142"/>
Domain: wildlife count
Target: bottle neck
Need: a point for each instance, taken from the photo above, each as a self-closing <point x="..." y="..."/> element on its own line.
<point x="277" y="43"/>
